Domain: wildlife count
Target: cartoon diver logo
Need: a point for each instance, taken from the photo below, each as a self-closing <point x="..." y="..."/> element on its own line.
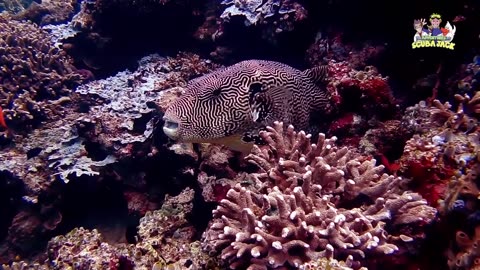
<point x="433" y="35"/>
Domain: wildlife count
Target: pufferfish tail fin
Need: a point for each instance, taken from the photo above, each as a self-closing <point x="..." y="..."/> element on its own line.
<point x="317" y="74"/>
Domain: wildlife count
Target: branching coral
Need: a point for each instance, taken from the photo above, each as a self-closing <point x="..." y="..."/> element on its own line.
<point x="449" y="145"/>
<point x="443" y="160"/>
<point x="303" y="206"/>
<point x="32" y="71"/>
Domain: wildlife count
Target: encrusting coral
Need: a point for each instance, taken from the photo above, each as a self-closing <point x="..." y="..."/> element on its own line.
<point x="32" y="71"/>
<point x="305" y="204"/>
<point x="164" y="242"/>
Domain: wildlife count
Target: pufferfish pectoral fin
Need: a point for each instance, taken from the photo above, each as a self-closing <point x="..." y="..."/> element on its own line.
<point x="235" y="143"/>
<point x="317" y="74"/>
<point x="269" y="104"/>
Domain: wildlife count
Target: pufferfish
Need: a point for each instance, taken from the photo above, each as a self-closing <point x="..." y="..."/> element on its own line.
<point x="229" y="105"/>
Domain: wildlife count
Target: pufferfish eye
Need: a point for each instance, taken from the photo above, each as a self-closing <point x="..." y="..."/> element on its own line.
<point x="217" y="92"/>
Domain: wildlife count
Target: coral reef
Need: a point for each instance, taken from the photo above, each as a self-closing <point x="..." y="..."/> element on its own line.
<point x="363" y="100"/>
<point x="296" y="209"/>
<point x="105" y="123"/>
<point x="48" y="12"/>
<point x="14" y="6"/>
<point x="55" y="152"/>
<point x="164" y="242"/>
<point x="468" y="251"/>
<point x="89" y="181"/>
<point x="448" y="144"/>
<point x="330" y="46"/>
<point x="34" y="74"/>
<point x="120" y="110"/>
<point x="84" y="249"/>
<point x="368" y="88"/>
<point x="442" y="159"/>
<point x="466" y="81"/>
<point x="276" y="16"/>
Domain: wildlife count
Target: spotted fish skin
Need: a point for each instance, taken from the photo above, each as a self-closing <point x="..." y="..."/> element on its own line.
<point x="244" y="97"/>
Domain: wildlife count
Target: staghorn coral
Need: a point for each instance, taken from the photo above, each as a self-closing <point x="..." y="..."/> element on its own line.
<point x="291" y="211"/>
<point x="463" y="119"/>
<point x="32" y="73"/>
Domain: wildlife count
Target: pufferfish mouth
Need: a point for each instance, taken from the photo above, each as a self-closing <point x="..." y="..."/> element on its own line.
<point x="171" y="128"/>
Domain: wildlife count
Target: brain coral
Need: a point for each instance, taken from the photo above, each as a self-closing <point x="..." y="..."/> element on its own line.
<point x="32" y="71"/>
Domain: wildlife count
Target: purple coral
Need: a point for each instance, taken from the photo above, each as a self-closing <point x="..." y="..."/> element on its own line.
<point x="295" y="209"/>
